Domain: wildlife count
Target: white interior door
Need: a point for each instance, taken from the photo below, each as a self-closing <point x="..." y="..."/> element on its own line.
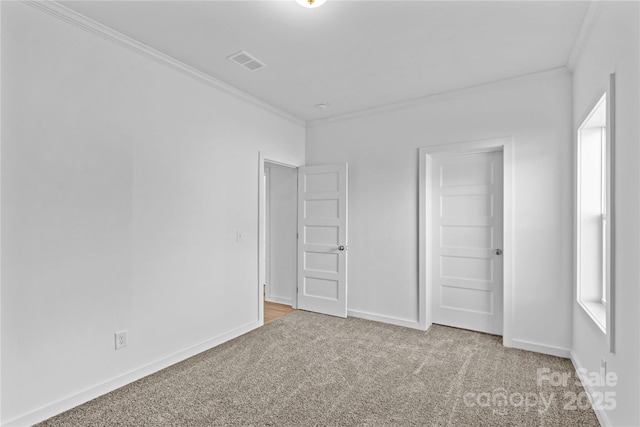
<point x="322" y="239"/>
<point x="467" y="230"/>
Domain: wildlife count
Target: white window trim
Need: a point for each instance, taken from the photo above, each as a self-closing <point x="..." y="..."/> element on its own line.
<point x="601" y="311"/>
<point x="595" y="309"/>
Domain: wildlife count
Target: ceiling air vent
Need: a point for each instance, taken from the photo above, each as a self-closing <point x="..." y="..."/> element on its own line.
<point x="247" y="61"/>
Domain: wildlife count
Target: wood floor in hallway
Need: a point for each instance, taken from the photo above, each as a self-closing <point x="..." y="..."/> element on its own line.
<point x="273" y="311"/>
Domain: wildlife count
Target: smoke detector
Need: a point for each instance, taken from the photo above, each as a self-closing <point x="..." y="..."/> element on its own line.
<point x="247" y="61"/>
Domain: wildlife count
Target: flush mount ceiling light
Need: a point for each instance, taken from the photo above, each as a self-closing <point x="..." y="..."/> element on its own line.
<point x="310" y="4"/>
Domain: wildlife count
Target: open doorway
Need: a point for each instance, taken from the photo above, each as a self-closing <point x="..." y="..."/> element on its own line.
<point x="303" y="239"/>
<point x="280" y="240"/>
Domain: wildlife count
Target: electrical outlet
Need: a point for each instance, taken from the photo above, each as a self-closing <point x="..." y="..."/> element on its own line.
<point x="239" y="237"/>
<point x="121" y="339"/>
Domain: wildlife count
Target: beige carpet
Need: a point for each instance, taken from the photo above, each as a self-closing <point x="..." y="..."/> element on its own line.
<point x="307" y="369"/>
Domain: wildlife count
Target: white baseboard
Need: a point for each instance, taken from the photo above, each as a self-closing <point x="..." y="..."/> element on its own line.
<point x="384" y="319"/>
<point x="65" y="404"/>
<point x="540" y="348"/>
<point x="600" y="413"/>
<point x="279" y="300"/>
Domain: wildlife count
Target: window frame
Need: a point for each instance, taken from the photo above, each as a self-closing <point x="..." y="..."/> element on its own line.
<point x="595" y="307"/>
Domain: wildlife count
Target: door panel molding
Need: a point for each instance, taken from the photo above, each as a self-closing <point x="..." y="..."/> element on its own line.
<point x="467" y="285"/>
<point x="425" y="164"/>
<point x="322" y="206"/>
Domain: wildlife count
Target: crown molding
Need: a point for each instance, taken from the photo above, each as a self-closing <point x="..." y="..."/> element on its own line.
<point x="85" y="23"/>
<point x="437" y="97"/>
<point x="586" y="29"/>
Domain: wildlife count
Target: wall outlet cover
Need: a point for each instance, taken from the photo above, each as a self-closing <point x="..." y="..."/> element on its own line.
<point x="121" y="339"/>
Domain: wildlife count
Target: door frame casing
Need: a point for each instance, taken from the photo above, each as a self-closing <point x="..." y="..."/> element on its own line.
<point x="426" y="155"/>
<point x="262" y="159"/>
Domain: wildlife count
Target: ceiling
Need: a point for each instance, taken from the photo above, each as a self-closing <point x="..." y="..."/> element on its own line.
<point x="353" y="55"/>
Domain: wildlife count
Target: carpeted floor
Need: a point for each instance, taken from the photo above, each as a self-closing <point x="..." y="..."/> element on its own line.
<point x="307" y="369"/>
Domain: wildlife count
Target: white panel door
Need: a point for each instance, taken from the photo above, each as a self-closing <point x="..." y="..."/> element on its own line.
<point x="322" y="239"/>
<point x="466" y="238"/>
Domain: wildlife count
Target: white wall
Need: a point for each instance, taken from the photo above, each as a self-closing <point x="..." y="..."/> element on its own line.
<point x="123" y="185"/>
<point x="282" y="244"/>
<point x="382" y="151"/>
<point x="614" y="47"/>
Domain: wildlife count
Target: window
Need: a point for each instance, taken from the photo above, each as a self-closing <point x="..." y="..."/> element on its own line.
<point x="593" y="206"/>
